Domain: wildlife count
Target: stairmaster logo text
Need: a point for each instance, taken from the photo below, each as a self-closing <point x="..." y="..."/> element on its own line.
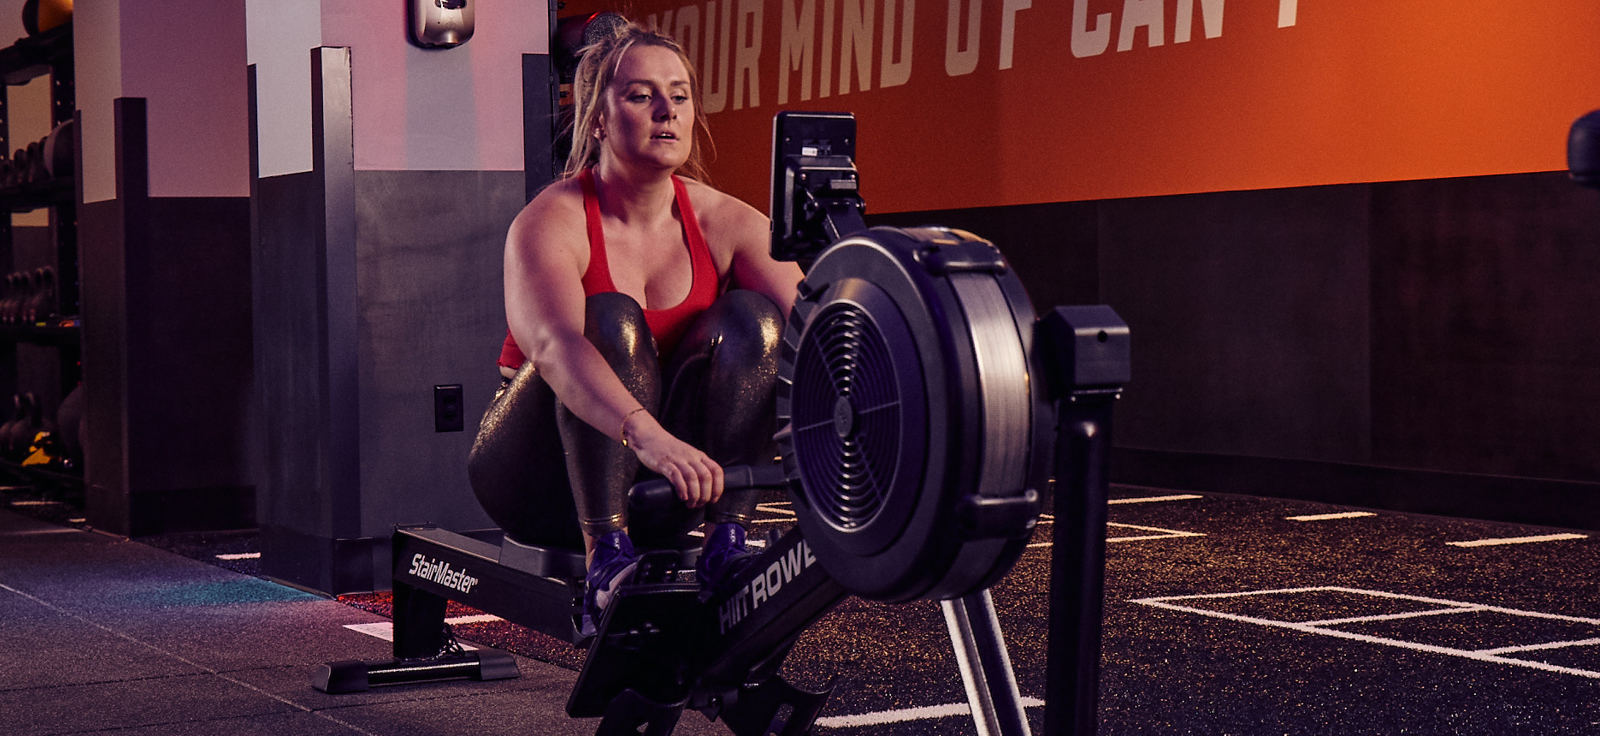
<point x="435" y="571"/>
<point x="764" y="587"/>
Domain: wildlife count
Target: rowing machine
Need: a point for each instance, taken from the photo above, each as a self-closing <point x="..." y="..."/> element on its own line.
<point x="921" y="404"/>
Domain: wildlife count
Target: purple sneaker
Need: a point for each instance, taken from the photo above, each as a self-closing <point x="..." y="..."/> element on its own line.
<point x="612" y="564"/>
<point x="724" y="556"/>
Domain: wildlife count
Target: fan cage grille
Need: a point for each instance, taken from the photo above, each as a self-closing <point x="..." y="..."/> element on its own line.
<point x="848" y="472"/>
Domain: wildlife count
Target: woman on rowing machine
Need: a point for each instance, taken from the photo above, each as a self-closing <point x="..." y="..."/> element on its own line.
<point x="644" y="315"/>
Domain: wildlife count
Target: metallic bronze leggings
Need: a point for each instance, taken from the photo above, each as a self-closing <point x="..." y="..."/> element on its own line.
<point x="716" y="392"/>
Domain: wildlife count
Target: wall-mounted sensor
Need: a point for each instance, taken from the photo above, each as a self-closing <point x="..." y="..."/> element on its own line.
<point x="441" y="23"/>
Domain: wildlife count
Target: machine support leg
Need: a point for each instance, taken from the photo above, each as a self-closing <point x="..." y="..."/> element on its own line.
<point x="1077" y="580"/>
<point x="418" y="622"/>
<point x="985" y="666"/>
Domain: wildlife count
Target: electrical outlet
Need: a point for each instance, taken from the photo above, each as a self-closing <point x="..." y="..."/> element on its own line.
<point x="447" y="414"/>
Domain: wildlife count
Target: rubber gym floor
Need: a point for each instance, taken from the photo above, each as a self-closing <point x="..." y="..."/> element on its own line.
<point x="1224" y="614"/>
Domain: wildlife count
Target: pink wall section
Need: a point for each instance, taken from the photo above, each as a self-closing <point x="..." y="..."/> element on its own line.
<point x="436" y="109"/>
<point x="414" y="109"/>
<point x="188" y="61"/>
<point x="97" y="61"/>
<point x="280" y="36"/>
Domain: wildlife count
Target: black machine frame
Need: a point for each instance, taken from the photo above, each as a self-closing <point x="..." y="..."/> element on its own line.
<point x="663" y="645"/>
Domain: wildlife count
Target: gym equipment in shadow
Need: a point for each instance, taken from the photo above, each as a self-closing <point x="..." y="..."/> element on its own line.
<point x="1583" y="150"/>
<point x="923" y="409"/>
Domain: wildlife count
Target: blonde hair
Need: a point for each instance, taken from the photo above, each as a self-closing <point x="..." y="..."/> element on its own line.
<point x="596" y="70"/>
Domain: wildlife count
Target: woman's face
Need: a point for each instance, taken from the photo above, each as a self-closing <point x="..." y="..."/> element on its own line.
<point x="648" y="117"/>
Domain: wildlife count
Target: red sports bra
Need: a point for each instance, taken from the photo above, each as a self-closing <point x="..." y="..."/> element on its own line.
<point x="667" y="325"/>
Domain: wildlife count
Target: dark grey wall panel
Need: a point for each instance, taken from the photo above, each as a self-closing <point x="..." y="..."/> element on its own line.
<point x="540" y="122"/>
<point x="371" y="288"/>
<point x="1248" y="312"/>
<point x="1486" y="326"/>
<point x="1423" y="346"/>
<point x="296" y="500"/>
<point x="428" y="298"/>
<point x="288" y="354"/>
<point x="100" y="231"/>
<point x="1053" y="247"/>
<point x="430" y="249"/>
<point x="306" y="317"/>
<point x="333" y="160"/>
<point x="166" y="353"/>
<point x="189" y="346"/>
<point x="105" y="232"/>
<point x="1542" y="501"/>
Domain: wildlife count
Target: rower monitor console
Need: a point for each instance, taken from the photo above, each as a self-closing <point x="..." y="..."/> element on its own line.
<point x="815" y="189"/>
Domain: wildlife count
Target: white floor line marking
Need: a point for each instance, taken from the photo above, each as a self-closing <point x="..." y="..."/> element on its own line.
<point x="380" y="629"/>
<point x="208" y="670"/>
<point x="1540" y="647"/>
<point x="241" y="556"/>
<point x="482" y="618"/>
<point x="1331" y="517"/>
<point x="35" y="532"/>
<point x="1160" y="534"/>
<point x="1392" y="616"/>
<point x="1518" y="540"/>
<point x="902" y="715"/>
<point x="1487" y="655"/>
<point x="385" y="630"/>
<point x="1153" y="499"/>
<point x="34" y="503"/>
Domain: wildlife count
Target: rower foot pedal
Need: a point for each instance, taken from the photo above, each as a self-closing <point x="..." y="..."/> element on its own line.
<point x="354" y="675"/>
<point x="632" y="714"/>
<point x="774" y="707"/>
<point x="646" y="637"/>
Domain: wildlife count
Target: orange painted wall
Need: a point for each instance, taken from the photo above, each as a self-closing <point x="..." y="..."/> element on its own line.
<point x="1349" y="91"/>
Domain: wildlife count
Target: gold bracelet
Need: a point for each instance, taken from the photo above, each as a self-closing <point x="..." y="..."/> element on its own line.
<point x="623" y="430"/>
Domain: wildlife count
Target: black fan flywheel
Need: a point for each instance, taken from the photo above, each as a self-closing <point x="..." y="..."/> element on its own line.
<point x="913" y="431"/>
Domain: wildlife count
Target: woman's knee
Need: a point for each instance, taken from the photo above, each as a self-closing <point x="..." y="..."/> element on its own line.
<point x="615" y="323"/>
<point x="748" y="328"/>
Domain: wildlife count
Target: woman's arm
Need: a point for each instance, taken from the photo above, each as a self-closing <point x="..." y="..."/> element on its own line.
<point x="544" y="264"/>
<point x="747" y="233"/>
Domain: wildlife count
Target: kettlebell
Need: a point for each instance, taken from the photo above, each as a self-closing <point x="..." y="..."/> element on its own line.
<point x="47" y="301"/>
<point x="58" y="150"/>
<point x="44" y="291"/>
<point x="6" y="295"/>
<point x="37" y="172"/>
<point x="37" y="425"/>
<point x="30" y="293"/>
<point x="69" y="419"/>
<point x="8" y="307"/>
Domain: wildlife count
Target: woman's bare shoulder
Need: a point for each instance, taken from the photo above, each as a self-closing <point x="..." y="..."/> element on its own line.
<point x="723" y="216"/>
<point x="556" y="213"/>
